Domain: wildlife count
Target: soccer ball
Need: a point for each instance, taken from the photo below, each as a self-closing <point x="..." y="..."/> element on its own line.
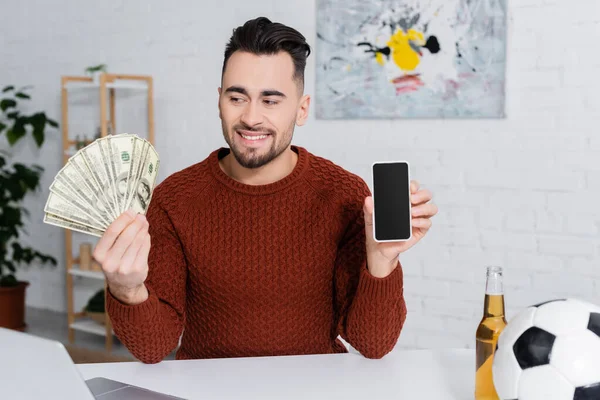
<point x="550" y="351"/>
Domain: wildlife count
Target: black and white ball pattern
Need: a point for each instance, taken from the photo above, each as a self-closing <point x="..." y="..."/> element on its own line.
<point x="550" y="351"/>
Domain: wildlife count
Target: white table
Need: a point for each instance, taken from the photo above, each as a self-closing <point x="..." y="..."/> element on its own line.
<point x="413" y="374"/>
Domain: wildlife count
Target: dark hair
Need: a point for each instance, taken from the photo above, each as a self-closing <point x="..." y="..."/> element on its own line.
<point x="260" y="36"/>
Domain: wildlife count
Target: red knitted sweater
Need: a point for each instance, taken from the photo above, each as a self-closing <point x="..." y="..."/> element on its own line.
<point x="277" y="269"/>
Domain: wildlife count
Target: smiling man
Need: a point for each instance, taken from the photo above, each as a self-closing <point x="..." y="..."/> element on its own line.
<point x="262" y="248"/>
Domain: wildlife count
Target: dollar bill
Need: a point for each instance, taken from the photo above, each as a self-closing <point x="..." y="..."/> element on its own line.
<point x="67" y="179"/>
<point x="137" y="155"/>
<point x="142" y="194"/>
<point x="59" y="185"/>
<point x="121" y="149"/>
<point x="86" y="182"/>
<point x="109" y="165"/>
<point x="101" y="181"/>
<point x="139" y="165"/>
<point x="68" y="209"/>
<point x="65" y="223"/>
<point x="62" y="189"/>
<point x="95" y="162"/>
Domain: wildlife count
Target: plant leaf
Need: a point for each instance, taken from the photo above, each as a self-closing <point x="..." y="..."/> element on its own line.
<point x="95" y="68"/>
<point x="22" y="95"/>
<point x="8" y="88"/>
<point x="11" y="217"/>
<point x="5" y="104"/>
<point x="38" y="135"/>
<point x="38" y="122"/>
<point x="13" y="136"/>
<point x="2" y="127"/>
<point x="52" y="123"/>
<point x="13" y="231"/>
<point x="20" y="123"/>
<point x="29" y="178"/>
<point x="17" y="131"/>
<point x="10" y="265"/>
<point x="12" y="115"/>
<point x="8" y="280"/>
<point x="44" y="258"/>
<point x="18" y="253"/>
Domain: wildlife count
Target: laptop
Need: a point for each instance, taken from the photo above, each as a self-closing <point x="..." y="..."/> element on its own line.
<point x="33" y="367"/>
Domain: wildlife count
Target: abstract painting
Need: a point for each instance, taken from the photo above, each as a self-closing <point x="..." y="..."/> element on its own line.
<point x="410" y="59"/>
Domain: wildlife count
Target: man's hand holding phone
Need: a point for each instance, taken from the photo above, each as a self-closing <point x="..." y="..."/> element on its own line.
<point x="403" y="211"/>
<point x="123" y="253"/>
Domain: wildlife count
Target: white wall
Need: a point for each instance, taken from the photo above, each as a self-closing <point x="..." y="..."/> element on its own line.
<point x="521" y="192"/>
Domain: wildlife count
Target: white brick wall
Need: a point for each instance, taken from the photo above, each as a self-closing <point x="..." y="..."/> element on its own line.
<point x="521" y="192"/>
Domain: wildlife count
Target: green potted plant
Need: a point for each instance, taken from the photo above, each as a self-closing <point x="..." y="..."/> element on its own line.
<point x="95" y="307"/>
<point x="16" y="181"/>
<point x="95" y="70"/>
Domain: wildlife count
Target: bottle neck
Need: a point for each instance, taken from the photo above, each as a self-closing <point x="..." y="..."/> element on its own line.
<point x="493" y="284"/>
<point x="494" y="293"/>
<point x="493" y="305"/>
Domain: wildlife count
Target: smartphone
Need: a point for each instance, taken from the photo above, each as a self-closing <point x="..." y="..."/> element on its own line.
<point x="391" y="197"/>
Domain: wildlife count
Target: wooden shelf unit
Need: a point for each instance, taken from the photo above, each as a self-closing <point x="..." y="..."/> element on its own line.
<point x="106" y="85"/>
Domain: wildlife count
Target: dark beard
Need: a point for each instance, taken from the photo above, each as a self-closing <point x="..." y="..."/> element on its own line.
<point x="249" y="159"/>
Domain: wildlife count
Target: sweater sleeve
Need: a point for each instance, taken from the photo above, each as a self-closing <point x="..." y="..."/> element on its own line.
<point x="371" y="311"/>
<point x="151" y="330"/>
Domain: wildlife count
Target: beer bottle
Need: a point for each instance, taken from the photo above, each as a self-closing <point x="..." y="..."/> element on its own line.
<point x="486" y="337"/>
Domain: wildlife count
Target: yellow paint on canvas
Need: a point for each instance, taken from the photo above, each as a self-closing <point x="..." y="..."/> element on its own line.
<point x="404" y="56"/>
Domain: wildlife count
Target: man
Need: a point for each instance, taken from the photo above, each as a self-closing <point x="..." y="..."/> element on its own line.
<point x="262" y="248"/>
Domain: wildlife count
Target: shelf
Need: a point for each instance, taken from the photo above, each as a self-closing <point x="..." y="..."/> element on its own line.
<point x="78" y="86"/>
<point x="133" y="84"/>
<point x="87" y="274"/>
<point x="89" y="326"/>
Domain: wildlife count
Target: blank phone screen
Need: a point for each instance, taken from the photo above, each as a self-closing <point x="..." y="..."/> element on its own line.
<point x="391" y="196"/>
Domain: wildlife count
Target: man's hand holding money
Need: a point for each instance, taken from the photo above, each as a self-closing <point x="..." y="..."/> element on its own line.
<point x="104" y="190"/>
<point x="123" y="253"/>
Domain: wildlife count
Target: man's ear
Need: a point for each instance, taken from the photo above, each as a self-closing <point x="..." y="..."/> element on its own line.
<point x="302" y="114"/>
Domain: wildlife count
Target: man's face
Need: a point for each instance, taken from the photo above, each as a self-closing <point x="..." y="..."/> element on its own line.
<point x="259" y="104"/>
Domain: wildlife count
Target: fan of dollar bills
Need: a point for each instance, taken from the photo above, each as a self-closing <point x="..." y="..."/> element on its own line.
<point x="101" y="181"/>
